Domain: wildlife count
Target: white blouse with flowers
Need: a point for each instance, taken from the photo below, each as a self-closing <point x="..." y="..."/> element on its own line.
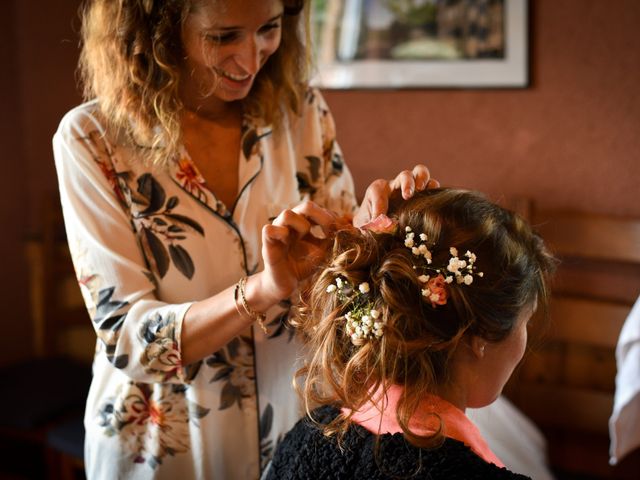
<point x="146" y="244"/>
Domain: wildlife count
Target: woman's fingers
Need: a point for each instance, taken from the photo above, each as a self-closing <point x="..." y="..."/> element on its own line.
<point x="404" y="182"/>
<point x="300" y="232"/>
<point x="433" y="183"/>
<point x="304" y="216"/>
<point x="377" y="196"/>
<point x="375" y="202"/>
<point x="293" y="221"/>
<point x="319" y="217"/>
<point x="422" y="177"/>
<point x="275" y="233"/>
<point x="410" y="181"/>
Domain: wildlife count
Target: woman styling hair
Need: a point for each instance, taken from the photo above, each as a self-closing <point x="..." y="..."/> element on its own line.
<point x="199" y="129"/>
<point x="414" y="319"/>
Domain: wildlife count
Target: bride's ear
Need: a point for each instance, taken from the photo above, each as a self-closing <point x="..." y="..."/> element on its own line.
<point x="478" y="346"/>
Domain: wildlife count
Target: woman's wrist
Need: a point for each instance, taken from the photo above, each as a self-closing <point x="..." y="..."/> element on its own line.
<point x="243" y="307"/>
<point x="258" y="294"/>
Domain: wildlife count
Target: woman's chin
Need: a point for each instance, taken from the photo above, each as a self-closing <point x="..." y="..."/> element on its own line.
<point x="231" y="90"/>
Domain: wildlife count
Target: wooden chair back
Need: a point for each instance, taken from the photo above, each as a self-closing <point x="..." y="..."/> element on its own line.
<point x="47" y="391"/>
<point x="566" y="382"/>
<point x="61" y="325"/>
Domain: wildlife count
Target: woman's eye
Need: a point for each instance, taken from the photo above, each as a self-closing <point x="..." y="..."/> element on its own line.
<point x="222" y="38"/>
<point x="270" y="27"/>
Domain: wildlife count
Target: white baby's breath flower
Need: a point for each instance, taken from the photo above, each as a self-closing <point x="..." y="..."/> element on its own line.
<point x="468" y="279"/>
<point x="363" y="287"/>
<point x="339" y="282"/>
<point x="423" y="237"/>
<point x="481" y="274"/>
<point x="453" y="251"/>
<point x="423" y="278"/>
<point x="423" y="248"/>
<point x="407" y="228"/>
<point x="331" y="288"/>
<point x="426" y="292"/>
<point x="408" y="242"/>
<point x="375" y="313"/>
<point x="415" y="250"/>
<point x="448" y="279"/>
<point x="453" y="265"/>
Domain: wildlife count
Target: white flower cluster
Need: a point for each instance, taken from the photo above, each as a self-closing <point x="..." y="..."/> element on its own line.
<point x="417" y="250"/>
<point x="462" y="270"/>
<point x="362" y="321"/>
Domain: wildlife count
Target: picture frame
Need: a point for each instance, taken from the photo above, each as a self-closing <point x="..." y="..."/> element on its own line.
<point x="341" y="63"/>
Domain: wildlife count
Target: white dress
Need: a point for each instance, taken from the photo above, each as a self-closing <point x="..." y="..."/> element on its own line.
<point x="146" y="243"/>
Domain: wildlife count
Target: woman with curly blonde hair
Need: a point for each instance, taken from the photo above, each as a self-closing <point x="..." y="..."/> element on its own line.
<point x="199" y="129"/>
<point x="412" y="321"/>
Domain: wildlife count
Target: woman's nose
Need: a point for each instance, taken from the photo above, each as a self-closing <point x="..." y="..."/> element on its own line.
<point x="249" y="57"/>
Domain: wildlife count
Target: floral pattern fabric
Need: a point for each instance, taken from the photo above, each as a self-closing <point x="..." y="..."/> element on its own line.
<point x="146" y="243"/>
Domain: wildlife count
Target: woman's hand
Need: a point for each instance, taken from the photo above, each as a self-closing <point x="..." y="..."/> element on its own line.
<point x="376" y="197"/>
<point x="292" y="246"/>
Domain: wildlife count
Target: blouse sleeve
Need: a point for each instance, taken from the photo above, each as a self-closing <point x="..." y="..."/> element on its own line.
<point x="139" y="335"/>
<point x="334" y="188"/>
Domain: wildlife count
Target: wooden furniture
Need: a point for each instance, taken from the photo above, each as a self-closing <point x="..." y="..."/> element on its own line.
<point x="60" y="320"/>
<point x="567" y="380"/>
<point x="47" y="392"/>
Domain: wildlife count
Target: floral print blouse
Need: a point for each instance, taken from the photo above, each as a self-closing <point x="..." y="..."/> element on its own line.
<point x="146" y="243"/>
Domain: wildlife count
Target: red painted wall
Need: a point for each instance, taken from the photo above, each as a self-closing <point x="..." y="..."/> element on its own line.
<point x="569" y="140"/>
<point x="14" y="321"/>
<point x="572" y="139"/>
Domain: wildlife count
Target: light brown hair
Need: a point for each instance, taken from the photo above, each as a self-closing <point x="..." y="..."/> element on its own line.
<point x="130" y="58"/>
<point x="419" y="339"/>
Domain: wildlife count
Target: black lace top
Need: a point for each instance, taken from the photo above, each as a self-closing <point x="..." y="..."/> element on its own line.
<point x="305" y="453"/>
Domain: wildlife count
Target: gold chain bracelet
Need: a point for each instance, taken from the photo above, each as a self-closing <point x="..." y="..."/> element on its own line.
<point x="256" y="316"/>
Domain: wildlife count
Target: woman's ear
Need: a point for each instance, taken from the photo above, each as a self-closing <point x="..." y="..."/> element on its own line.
<point x="478" y="345"/>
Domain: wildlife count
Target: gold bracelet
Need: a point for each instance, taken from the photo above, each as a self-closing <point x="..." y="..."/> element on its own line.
<point x="256" y="316"/>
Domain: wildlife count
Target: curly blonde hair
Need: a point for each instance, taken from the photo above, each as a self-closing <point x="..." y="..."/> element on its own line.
<point x="130" y="58"/>
<point x="419" y="340"/>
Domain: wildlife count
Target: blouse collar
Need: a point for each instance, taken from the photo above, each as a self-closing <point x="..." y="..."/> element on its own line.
<point x="456" y="424"/>
<point x="186" y="174"/>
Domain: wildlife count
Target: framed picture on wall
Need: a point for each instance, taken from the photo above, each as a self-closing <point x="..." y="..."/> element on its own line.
<point x="421" y="43"/>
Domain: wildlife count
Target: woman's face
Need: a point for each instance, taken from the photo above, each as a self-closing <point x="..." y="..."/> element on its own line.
<point x="226" y="43"/>
<point x="498" y="361"/>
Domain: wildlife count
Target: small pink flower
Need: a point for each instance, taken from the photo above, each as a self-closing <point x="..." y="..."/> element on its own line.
<point x="438" y="293"/>
<point x="381" y="224"/>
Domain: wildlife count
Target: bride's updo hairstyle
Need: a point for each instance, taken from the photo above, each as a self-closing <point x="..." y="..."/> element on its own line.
<point x="417" y="338"/>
